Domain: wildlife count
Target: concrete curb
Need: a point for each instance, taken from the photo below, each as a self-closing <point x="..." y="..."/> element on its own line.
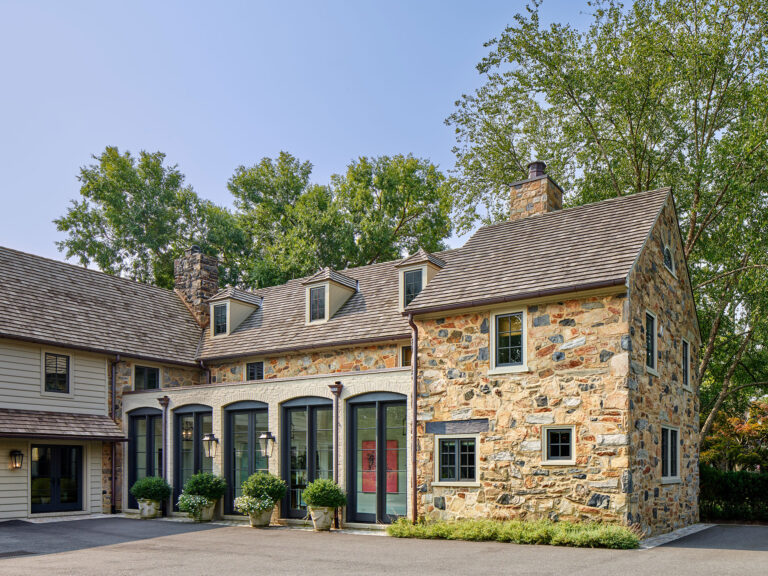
<point x="655" y="541"/>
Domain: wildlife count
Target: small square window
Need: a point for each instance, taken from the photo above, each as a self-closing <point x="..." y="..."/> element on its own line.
<point x="412" y="280"/>
<point x="56" y="373"/>
<point x="670" y="454"/>
<point x="457" y="460"/>
<point x="254" y="371"/>
<point x="558" y="444"/>
<point x="650" y="341"/>
<point x="686" y="364"/>
<point x="317" y="303"/>
<point x="146" y="378"/>
<point x="406" y="356"/>
<point x="219" y="319"/>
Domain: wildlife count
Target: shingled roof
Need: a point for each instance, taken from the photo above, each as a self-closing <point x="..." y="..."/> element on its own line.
<point x="39" y="424"/>
<point x="230" y="293"/>
<point x="588" y="246"/>
<point x="330" y="274"/>
<point x="53" y="302"/>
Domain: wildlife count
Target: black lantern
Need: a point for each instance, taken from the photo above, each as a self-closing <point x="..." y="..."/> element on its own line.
<point x="267" y="443"/>
<point x="210" y="445"/>
<point x="187" y="430"/>
<point x="17" y="459"/>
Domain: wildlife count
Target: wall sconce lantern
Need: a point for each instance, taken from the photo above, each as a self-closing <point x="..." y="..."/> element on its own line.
<point x="267" y="443"/>
<point x="17" y="459"/>
<point x="187" y="430"/>
<point x="210" y="445"/>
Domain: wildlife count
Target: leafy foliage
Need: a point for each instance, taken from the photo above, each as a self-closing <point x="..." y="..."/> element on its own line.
<point x="264" y="485"/>
<point x="324" y="493"/>
<point x="207" y="485"/>
<point x="660" y="93"/>
<point x="739" y="442"/>
<point x="252" y="505"/>
<point x="739" y="495"/>
<point x="193" y="504"/>
<point x="151" y="488"/>
<point x="583" y="535"/>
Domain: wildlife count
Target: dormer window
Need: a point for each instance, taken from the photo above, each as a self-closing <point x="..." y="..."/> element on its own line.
<point x="413" y="280"/>
<point x="219" y="319"/>
<point x="317" y="303"/>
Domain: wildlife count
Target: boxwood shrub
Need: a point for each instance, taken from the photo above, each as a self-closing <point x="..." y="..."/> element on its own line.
<point x="264" y="485"/>
<point x="324" y="493"/>
<point x="733" y="495"/>
<point x="151" y="488"/>
<point x="207" y="485"/>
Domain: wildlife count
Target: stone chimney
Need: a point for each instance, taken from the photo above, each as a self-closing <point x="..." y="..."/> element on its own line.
<point x="536" y="195"/>
<point x="196" y="280"/>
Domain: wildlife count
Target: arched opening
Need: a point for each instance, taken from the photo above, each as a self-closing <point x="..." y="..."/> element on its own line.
<point x="145" y="446"/>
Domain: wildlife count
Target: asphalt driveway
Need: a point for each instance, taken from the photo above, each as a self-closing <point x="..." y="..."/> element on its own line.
<point x="119" y="546"/>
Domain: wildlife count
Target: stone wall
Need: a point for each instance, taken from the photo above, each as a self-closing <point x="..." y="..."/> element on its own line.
<point x="196" y="279"/>
<point x="577" y="375"/>
<point x="311" y="363"/>
<point x="662" y="400"/>
<point x="534" y="196"/>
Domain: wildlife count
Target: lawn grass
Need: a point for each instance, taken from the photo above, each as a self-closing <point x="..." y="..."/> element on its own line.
<point x="582" y="535"/>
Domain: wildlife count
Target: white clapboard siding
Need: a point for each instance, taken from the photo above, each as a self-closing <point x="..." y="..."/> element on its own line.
<point x="93" y="471"/>
<point x="21" y="376"/>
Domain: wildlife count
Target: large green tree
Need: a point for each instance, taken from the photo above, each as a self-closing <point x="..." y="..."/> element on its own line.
<point x="654" y="94"/>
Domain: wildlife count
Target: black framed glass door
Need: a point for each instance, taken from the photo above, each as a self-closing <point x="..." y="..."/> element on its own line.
<point x="56" y="478"/>
<point x="191" y="424"/>
<point x="246" y="421"/>
<point x="308" y="453"/>
<point x="145" y="447"/>
<point x="377" y="458"/>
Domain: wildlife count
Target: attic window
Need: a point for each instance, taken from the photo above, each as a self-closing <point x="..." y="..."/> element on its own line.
<point x="669" y="263"/>
<point x="219" y="319"/>
<point x="317" y="303"/>
<point x="413" y="285"/>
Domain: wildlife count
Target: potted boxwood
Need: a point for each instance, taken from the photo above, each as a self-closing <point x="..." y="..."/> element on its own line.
<point x="323" y="496"/>
<point x="150" y="493"/>
<point x="200" y="494"/>
<point x="260" y="493"/>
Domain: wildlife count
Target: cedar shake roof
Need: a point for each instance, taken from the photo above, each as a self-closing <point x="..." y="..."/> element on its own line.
<point x="38" y="424"/>
<point x="236" y="294"/>
<point x="421" y="257"/>
<point x="589" y="246"/>
<point x="52" y="302"/>
<point x="329" y="274"/>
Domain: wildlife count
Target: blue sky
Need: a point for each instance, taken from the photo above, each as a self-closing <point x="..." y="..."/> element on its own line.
<point x="218" y="84"/>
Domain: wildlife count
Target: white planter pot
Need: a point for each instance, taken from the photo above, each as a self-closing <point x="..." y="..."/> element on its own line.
<point x="149" y="509"/>
<point x="322" y="518"/>
<point x="261" y="519"/>
<point x="206" y="514"/>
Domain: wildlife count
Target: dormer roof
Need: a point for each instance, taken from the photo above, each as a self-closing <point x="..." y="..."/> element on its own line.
<point x="237" y="294"/>
<point x="327" y="274"/>
<point x="421" y="257"/>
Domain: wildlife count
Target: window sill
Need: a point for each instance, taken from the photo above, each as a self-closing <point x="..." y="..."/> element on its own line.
<point x="558" y="463"/>
<point x="457" y="484"/>
<point x="688" y="389"/>
<point x="509" y="370"/>
<point x="652" y="371"/>
<point x="671" y="480"/>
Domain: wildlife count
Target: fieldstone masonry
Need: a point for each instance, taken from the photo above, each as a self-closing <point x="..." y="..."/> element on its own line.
<point x="196" y="278"/>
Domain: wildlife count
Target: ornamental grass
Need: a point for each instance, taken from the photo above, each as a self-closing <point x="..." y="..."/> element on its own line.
<point x="576" y="534"/>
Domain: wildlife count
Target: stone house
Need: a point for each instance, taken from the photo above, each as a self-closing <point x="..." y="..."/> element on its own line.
<point x="545" y="369"/>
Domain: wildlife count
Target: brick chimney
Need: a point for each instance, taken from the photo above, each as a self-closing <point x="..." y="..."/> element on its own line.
<point x="196" y="280"/>
<point x="536" y="195"/>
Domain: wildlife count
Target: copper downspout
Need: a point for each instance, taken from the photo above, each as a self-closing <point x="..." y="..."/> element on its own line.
<point x="113" y="414"/>
<point x="414" y="411"/>
<point x="336" y="391"/>
<point x="164" y="401"/>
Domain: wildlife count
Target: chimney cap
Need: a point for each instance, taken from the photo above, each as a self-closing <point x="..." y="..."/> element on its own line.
<point x="536" y="169"/>
<point x="195" y="249"/>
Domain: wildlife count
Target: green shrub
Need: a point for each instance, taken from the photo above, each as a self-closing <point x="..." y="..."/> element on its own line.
<point x="261" y="485"/>
<point x="207" y="485"/>
<point x="151" y="488"/>
<point x="250" y="505"/>
<point x="733" y="495"/>
<point x="193" y="504"/>
<point x="324" y="493"/>
<point x="584" y="535"/>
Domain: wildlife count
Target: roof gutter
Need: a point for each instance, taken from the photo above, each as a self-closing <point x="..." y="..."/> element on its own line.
<point x="522" y="296"/>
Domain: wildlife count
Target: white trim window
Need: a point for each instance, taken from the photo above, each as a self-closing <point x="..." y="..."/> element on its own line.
<point x="558" y="445"/>
<point x="651" y="342"/>
<point x="670" y="454"/>
<point x="669" y="260"/>
<point x="686" y="361"/>
<point x="456" y="460"/>
<point x="508" y="342"/>
<point x="219" y="319"/>
<point x="57" y="373"/>
<point x="317" y="303"/>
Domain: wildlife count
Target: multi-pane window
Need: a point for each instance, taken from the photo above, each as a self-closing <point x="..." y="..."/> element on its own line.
<point x="686" y="364"/>
<point x="559" y="443"/>
<point x="650" y="341"/>
<point x="670" y="453"/>
<point x="219" y="319"/>
<point x="254" y="371"/>
<point x="457" y="460"/>
<point x="509" y="339"/>
<point x="317" y="303"/>
<point x="406" y="354"/>
<point x="412" y="283"/>
<point x="146" y="378"/>
<point x="56" y="373"/>
<point x="668" y="262"/>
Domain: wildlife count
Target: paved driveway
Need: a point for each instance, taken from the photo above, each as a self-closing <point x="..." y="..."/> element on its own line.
<point x="167" y="548"/>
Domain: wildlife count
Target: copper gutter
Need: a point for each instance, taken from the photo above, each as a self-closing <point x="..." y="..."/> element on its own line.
<point x="414" y="412"/>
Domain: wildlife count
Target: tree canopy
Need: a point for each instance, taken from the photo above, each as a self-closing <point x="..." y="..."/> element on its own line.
<point x="660" y="93"/>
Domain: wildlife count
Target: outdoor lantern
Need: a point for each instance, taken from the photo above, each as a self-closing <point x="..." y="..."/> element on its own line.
<point x="210" y="445"/>
<point x="17" y="459"/>
<point x="187" y="430"/>
<point x="267" y="443"/>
